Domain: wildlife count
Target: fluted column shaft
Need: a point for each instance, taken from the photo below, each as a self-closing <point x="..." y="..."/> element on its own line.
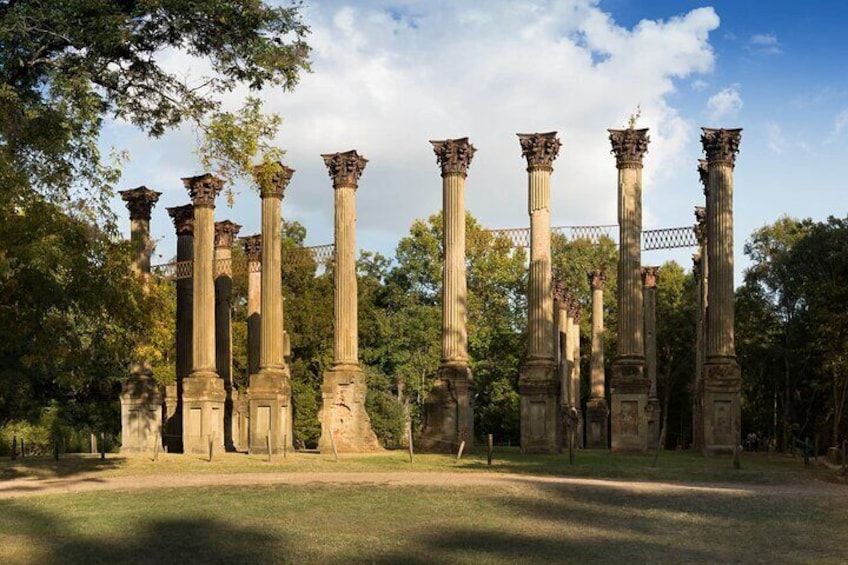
<point x="203" y="308"/>
<point x="253" y="251"/>
<point x="455" y="289"/>
<point x="597" y="376"/>
<point x="568" y="390"/>
<point x="649" y="283"/>
<point x="185" y="308"/>
<point x="271" y="322"/>
<point x="345" y="311"/>
<point x="630" y="306"/>
<point x="540" y="298"/>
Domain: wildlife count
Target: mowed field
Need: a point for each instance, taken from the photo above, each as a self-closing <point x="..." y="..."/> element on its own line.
<point x="383" y="509"/>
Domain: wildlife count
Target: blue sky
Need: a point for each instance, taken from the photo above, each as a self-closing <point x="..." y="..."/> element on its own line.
<point x="389" y="76"/>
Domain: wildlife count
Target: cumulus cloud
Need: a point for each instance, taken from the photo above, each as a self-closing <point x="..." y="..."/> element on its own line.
<point x="725" y="103"/>
<point x="389" y="78"/>
<point x="764" y="44"/>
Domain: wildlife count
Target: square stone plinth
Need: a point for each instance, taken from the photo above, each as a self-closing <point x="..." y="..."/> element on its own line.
<point x="141" y="412"/>
<point x="449" y="411"/>
<point x="597" y="424"/>
<point x="172" y="433"/>
<point x="722" y="407"/>
<point x="203" y="413"/>
<point x="344" y="420"/>
<point x="629" y="410"/>
<point x="270" y="411"/>
<point x="541" y="416"/>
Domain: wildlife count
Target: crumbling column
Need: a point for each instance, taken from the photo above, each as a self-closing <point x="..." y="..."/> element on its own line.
<point x="561" y="302"/>
<point x="722" y="379"/>
<point x="649" y="297"/>
<point x="344" y="420"/>
<point x="597" y="411"/>
<point x="699" y="270"/>
<point x="448" y="409"/>
<point x="575" y="395"/>
<point x="252" y="246"/>
<point x="183" y="218"/>
<point x="537" y="383"/>
<point x="225" y="233"/>
<point x="270" y="388"/>
<point x="629" y="385"/>
<point x="141" y="397"/>
<point x="203" y="390"/>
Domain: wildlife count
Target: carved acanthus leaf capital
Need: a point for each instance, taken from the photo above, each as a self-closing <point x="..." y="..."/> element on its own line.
<point x="704" y="175"/>
<point x="540" y="149"/>
<point x="696" y="264"/>
<point x="629" y="147"/>
<point x="252" y="245"/>
<point x="225" y="233"/>
<point x="140" y="201"/>
<point x="272" y="178"/>
<point x="183" y="218"/>
<point x="454" y="155"/>
<point x="597" y="278"/>
<point x="574" y="310"/>
<point x="650" y="276"/>
<point x="203" y="189"/>
<point x="721" y="145"/>
<point x="345" y="168"/>
<point x="701" y="224"/>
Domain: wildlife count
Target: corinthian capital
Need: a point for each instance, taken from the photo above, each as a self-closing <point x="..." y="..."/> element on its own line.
<point x="272" y="178"/>
<point x="540" y="149"/>
<point x="454" y="155"/>
<point x="704" y="175"/>
<point x="345" y="168"/>
<point x="629" y="146"/>
<point x="252" y="246"/>
<point x="650" y="276"/>
<point x="203" y="189"/>
<point x="700" y="224"/>
<point x="597" y="278"/>
<point x="183" y="218"/>
<point x="721" y="145"/>
<point x="225" y="232"/>
<point x="140" y="201"/>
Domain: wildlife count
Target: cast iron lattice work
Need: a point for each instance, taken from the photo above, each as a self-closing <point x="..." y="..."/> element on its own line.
<point x="663" y="238"/>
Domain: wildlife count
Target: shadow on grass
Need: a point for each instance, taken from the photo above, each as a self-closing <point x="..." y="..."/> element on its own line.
<point x="66" y="466"/>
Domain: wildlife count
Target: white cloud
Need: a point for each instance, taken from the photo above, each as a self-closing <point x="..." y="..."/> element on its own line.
<point x="699" y="84"/>
<point x="764" y="44"/>
<point x="775" y="138"/>
<point x="725" y="103"/>
<point x="387" y="81"/>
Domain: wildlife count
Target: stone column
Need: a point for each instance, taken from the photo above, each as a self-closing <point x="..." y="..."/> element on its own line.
<point x="699" y="270"/>
<point x="448" y="409"/>
<point x="270" y="388"/>
<point x="569" y="409"/>
<point x="575" y="394"/>
<point x="649" y="294"/>
<point x="252" y="246"/>
<point x="141" y="397"/>
<point x="597" y="411"/>
<point x="203" y="390"/>
<point x="722" y="379"/>
<point x="225" y="233"/>
<point x="629" y="385"/>
<point x="344" y="420"/>
<point x="561" y="302"/>
<point x="183" y="217"/>
<point x="537" y="383"/>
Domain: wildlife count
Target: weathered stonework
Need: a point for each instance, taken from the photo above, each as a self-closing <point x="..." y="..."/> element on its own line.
<point x="225" y="233"/>
<point x="269" y="395"/>
<point x="629" y="385"/>
<point x="448" y="409"/>
<point x="649" y="285"/>
<point x="344" y="420"/>
<point x="141" y="396"/>
<point x="700" y="270"/>
<point x="597" y="410"/>
<point x="203" y="391"/>
<point x="538" y="385"/>
<point x="722" y="378"/>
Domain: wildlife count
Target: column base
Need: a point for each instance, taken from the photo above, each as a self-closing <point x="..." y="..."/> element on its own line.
<point x="629" y="389"/>
<point x="722" y="406"/>
<point x="270" y="412"/>
<point x="448" y="411"/>
<point x="141" y="411"/>
<point x="597" y="424"/>
<point x="541" y="416"/>
<point x="241" y="411"/>
<point x="172" y="434"/>
<point x="654" y="422"/>
<point x="343" y="413"/>
<point x="203" y="412"/>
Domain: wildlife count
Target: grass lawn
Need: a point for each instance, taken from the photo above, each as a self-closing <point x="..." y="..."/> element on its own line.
<point x="736" y="520"/>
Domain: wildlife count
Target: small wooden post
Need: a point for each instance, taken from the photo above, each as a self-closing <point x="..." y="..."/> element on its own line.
<point x="211" y="446"/>
<point x="14" y="447"/>
<point x="410" y="445"/>
<point x="103" y="446"/>
<point x="285" y="445"/>
<point x="268" y="444"/>
<point x="489" y="453"/>
<point x="461" y="448"/>
<point x="93" y="440"/>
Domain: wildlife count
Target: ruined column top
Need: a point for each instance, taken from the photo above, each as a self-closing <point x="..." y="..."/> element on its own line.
<point x="704" y="175"/>
<point x="650" y="276"/>
<point x="629" y="146"/>
<point x="272" y="178"/>
<point x="252" y="245"/>
<point x="140" y="201"/>
<point x="225" y="233"/>
<point x="540" y="149"/>
<point x="183" y="218"/>
<point x="559" y="294"/>
<point x="700" y="224"/>
<point x="454" y="155"/>
<point x="597" y="278"/>
<point x="203" y="189"/>
<point x="696" y="263"/>
<point x="721" y="145"/>
<point x="574" y="311"/>
<point x="345" y="168"/>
